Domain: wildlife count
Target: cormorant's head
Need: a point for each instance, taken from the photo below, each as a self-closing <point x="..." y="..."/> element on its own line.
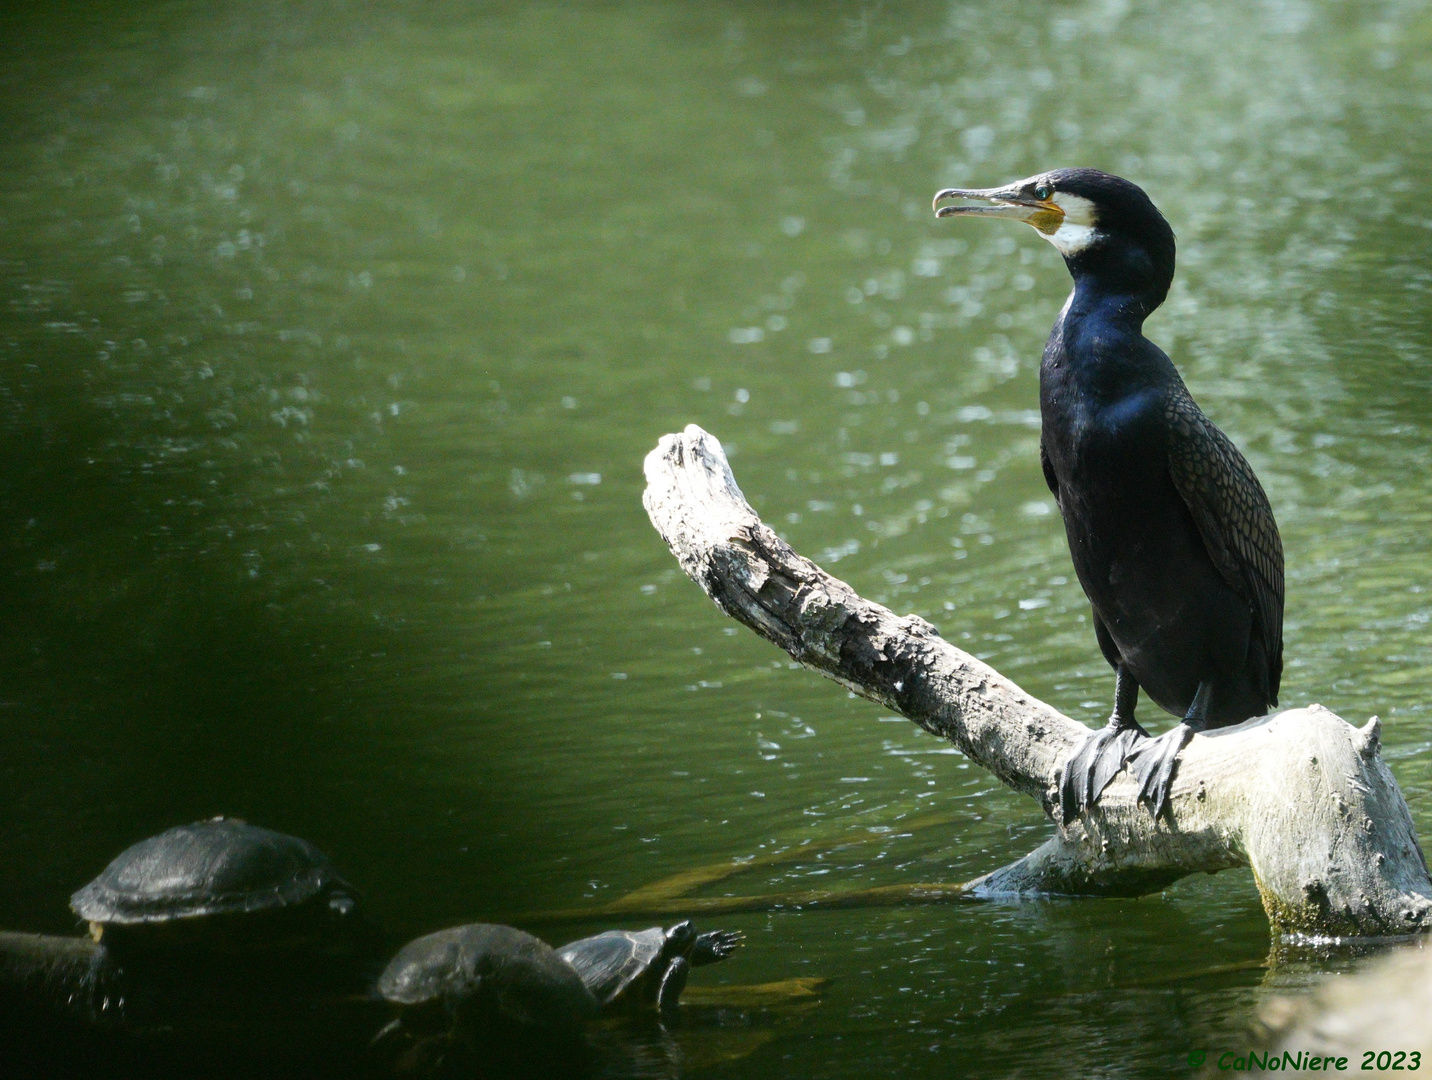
<point x="1102" y="224"/>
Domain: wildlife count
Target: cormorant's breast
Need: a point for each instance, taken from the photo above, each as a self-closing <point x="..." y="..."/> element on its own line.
<point x="1135" y="546"/>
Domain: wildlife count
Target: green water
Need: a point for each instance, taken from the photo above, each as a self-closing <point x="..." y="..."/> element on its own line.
<point x="332" y="336"/>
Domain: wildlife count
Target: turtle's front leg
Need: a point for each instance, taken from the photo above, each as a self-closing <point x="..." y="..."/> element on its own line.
<point x="715" y="945"/>
<point x="673" y="981"/>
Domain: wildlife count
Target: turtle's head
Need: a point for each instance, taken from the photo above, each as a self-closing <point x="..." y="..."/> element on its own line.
<point x="680" y="938"/>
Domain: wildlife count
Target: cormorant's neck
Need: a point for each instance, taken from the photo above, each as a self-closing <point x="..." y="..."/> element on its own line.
<point x="1118" y="281"/>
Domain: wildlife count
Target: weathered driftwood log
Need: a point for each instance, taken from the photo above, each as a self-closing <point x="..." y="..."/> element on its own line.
<point x="72" y="975"/>
<point x="1302" y="797"/>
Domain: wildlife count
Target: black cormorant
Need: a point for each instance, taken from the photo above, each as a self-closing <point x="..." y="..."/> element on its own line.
<point x="1171" y="534"/>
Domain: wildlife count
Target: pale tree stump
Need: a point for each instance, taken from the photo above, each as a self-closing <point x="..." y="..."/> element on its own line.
<point x="1302" y="797"/>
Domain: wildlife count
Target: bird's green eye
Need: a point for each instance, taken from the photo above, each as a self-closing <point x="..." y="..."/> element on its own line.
<point x="1042" y="192"/>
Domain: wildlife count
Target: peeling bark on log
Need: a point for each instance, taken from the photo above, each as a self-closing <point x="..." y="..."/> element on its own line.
<point x="1302" y="797"/>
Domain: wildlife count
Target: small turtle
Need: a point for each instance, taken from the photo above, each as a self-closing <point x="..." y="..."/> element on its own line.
<point x="641" y="970"/>
<point x="220" y="884"/>
<point x="470" y="991"/>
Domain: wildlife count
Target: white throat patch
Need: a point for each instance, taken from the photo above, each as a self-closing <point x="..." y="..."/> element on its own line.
<point x="1079" y="228"/>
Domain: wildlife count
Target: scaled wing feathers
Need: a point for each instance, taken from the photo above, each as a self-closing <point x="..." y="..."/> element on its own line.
<point x="1233" y="517"/>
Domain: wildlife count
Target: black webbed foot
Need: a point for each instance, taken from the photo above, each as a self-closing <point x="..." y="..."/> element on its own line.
<point x="1153" y="763"/>
<point x="1097" y="761"/>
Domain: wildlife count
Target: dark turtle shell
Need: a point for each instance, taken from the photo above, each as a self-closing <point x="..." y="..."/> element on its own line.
<point x="610" y="962"/>
<point x="223" y="866"/>
<point x="495" y="972"/>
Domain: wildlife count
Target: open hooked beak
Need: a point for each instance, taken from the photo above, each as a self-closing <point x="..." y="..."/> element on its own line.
<point x="1007" y="202"/>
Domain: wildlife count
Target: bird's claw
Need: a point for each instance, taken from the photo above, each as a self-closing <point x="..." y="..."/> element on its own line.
<point x="1154" y="763"/>
<point x="1097" y="761"/>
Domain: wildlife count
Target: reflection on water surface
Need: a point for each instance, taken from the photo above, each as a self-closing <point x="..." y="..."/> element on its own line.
<point x="332" y="338"/>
